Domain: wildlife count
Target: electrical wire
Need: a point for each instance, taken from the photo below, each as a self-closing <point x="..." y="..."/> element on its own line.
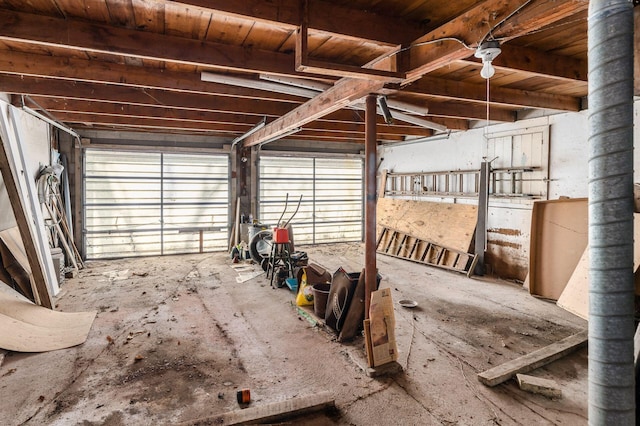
<point x="422" y="43"/>
<point x="486" y="126"/>
<point x="466" y="46"/>
<point x="522" y="6"/>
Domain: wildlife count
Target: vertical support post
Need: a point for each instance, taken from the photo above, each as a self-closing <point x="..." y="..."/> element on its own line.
<point x="612" y="387"/>
<point x="233" y="196"/>
<point x="370" y="166"/>
<point x="253" y="188"/>
<point x="79" y="198"/>
<point x="481" y="227"/>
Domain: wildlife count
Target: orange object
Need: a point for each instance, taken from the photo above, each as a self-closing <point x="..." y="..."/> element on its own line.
<point x="243" y="396"/>
<point x="280" y="235"/>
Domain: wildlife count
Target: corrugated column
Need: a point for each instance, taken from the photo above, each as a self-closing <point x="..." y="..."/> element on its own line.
<point x="611" y="284"/>
<point x="370" y="162"/>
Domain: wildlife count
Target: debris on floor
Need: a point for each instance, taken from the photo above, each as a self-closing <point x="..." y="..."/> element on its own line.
<point x="538" y="385"/>
<point x="185" y="359"/>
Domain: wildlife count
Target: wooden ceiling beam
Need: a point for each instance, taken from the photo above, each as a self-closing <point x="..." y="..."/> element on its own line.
<point x="537" y="15"/>
<point x="106" y="39"/>
<point x="322" y="16"/>
<point x="183" y="108"/>
<point x="138" y="96"/>
<point x="471" y="111"/>
<point x="340" y="95"/>
<point x="149" y="122"/>
<point x="66" y="108"/>
<point x="436" y="48"/>
<point x="518" y="58"/>
<point x="446" y="89"/>
<point x="231" y="130"/>
<point x="95" y="71"/>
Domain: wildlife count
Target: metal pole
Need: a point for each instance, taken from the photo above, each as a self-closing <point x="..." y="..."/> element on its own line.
<point x="611" y="285"/>
<point x="481" y="228"/>
<point x="370" y="166"/>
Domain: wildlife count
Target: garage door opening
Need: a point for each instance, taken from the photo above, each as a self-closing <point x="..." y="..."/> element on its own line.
<point x="147" y="204"/>
<point x="331" y="189"/>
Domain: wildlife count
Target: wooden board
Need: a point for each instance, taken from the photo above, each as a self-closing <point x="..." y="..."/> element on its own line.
<point x="559" y="236"/>
<point x="13" y="242"/>
<point x="446" y="224"/>
<point x="575" y="297"/>
<point x="25" y="327"/>
<point x="11" y="238"/>
<point x="12" y="272"/>
<point x="534" y="360"/>
<point x="273" y="412"/>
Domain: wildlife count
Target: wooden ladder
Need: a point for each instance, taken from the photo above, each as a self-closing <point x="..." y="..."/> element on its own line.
<point x="397" y="244"/>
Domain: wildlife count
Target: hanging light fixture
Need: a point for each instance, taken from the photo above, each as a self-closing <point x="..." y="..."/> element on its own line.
<point x="488" y="51"/>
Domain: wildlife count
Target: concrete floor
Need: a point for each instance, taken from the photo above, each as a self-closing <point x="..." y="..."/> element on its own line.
<point x="176" y="337"/>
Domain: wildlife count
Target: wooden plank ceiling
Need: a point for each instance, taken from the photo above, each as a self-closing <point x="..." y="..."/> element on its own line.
<point x="217" y="67"/>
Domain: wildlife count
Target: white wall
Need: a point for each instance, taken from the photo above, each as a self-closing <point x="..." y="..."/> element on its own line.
<point x="35" y="142"/>
<point x="509" y="221"/>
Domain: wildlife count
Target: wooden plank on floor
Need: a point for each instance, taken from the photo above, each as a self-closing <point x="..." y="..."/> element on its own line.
<point x="534" y="360"/>
<point x="272" y="412"/>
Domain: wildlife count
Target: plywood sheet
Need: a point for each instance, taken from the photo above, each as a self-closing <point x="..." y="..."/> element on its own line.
<point x="559" y="236"/>
<point x="446" y="224"/>
<point x="25" y="327"/>
<point x="575" y="297"/>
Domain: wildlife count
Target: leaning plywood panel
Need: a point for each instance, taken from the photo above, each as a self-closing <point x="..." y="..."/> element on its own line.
<point x="25" y="327"/>
<point x="558" y="238"/>
<point x="446" y="224"/>
<point x="575" y="297"/>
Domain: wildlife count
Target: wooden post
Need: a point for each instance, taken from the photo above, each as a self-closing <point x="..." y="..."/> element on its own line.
<point x="370" y="166"/>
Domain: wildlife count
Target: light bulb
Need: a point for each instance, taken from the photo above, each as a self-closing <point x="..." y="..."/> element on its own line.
<point x="487" y="70"/>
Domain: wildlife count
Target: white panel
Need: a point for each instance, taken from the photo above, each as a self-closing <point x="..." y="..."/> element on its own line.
<point x="331" y="188"/>
<point x="151" y="203"/>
